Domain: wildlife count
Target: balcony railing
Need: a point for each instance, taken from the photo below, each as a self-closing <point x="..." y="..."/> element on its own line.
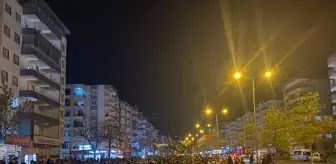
<point x="40" y="97"/>
<point x="40" y="77"/>
<point x="40" y="118"/>
<point x="29" y="49"/>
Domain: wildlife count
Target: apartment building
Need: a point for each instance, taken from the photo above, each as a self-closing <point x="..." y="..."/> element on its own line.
<point x="38" y="73"/>
<point x="144" y="134"/>
<point x="10" y="42"/>
<point x="93" y="104"/>
<point x="294" y="89"/>
<point x="263" y="107"/>
<point x="332" y="80"/>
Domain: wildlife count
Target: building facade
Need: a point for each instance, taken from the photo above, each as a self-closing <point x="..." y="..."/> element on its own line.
<point x="296" y="88"/>
<point x="94" y="104"/>
<point x="332" y="80"/>
<point x="42" y="77"/>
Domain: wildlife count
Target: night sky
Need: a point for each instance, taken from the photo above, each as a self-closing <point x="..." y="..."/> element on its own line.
<point x="171" y="57"/>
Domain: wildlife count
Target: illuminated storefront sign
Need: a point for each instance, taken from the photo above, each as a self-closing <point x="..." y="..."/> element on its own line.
<point x="84" y="147"/>
<point x="17" y="140"/>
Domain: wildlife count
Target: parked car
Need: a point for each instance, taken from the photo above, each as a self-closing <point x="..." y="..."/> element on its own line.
<point x="318" y="157"/>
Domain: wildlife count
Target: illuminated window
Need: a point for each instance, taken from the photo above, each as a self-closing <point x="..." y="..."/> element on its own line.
<point x="15" y="103"/>
<point x="79" y="91"/>
<point x="80" y="103"/>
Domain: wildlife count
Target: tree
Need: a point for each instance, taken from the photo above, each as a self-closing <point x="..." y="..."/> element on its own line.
<point x="307" y="126"/>
<point x="9" y="115"/>
<point x="93" y="133"/>
<point x="110" y="127"/>
<point x="275" y="129"/>
<point x="248" y="133"/>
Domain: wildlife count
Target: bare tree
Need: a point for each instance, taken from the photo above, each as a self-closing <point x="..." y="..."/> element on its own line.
<point x="9" y="115"/>
<point x="92" y="133"/>
<point x="111" y="129"/>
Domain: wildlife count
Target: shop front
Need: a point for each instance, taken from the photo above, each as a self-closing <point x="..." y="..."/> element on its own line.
<point x="13" y="145"/>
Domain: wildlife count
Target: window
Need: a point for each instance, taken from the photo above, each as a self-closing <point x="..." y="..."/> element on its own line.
<point x="63" y="48"/>
<point x="15" y="81"/>
<point x="4" y="76"/>
<point x="62" y="80"/>
<point x="93" y="112"/>
<point x="94" y="92"/>
<point x="66" y="145"/>
<point x="8" y="9"/>
<point x="17" y="38"/>
<point x="66" y="133"/>
<point x="62" y="64"/>
<point x="5" y="53"/>
<point x="16" y="59"/>
<point x="93" y="102"/>
<point x="80" y="103"/>
<point x="79" y="91"/>
<point x="67" y="91"/>
<point x="62" y="97"/>
<point x="93" y="122"/>
<point x="18" y="17"/>
<point x="7" y="31"/>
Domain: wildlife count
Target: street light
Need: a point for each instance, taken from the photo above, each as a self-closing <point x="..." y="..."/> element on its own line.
<point x="189" y="135"/>
<point x="187" y="138"/>
<point x="237" y="76"/>
<point x="209" y="125"/>
<point x="201" y="131"/>
<point x="197" y="125"/>
<point x="193" y="138"/>
<point x="208" y="111"/>
<point x="225" y="111"/>
<point x="196" y="135"/>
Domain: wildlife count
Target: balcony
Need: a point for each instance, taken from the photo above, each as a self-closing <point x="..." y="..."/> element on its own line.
<point x="38" y="117"/>
<point x="36" y="47"/>
<point x="41" y="98"/>
<point x="332" y="61"/>
<point x="332" y="73"/>
<point x="39" y="78"/>
<point x="38" y="10"/>
<point x="33" y="53"/>
<point x="333" y="97"/>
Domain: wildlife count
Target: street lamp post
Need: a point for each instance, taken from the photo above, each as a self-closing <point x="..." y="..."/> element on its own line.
<point x="268" y="74"/>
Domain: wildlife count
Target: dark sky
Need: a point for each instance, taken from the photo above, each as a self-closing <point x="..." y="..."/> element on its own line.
<point x="171" y="57"/>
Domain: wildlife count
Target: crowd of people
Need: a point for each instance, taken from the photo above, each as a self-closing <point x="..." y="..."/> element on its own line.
<point x="230" y="159"/>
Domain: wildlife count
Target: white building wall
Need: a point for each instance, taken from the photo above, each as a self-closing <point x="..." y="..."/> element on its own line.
<point x="14" y="48"/>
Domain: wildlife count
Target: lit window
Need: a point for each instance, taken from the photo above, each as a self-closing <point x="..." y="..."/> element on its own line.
<point x="329" y="135"/>
<point x="79" y="91"/>
<point x="15" y="103"/>
<point x="318" y="117"/>
<point x="80" y="103"/>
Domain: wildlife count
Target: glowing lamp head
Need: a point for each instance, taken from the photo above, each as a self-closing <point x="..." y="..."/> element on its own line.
<point x="268" y="74"/>
<point x="237" y="75"/>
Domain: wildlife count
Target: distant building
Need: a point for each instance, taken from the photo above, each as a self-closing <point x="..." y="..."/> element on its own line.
<point x="97" y="103"/>
<point x="296" y="88"/>
<point x="332" y="80"/>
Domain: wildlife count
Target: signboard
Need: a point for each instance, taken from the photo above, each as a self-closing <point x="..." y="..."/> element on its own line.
<point x="18" y="140"/>
<point x="45" y="140"/>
